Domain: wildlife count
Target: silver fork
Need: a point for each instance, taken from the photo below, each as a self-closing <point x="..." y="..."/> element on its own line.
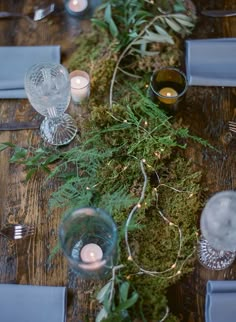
<point x="16" y="231"/>
<point x="37" y="15"/>
<point x="232" y="126"/>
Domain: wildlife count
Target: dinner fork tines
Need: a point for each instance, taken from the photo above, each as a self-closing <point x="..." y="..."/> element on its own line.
<point x="38" y="14"/>
<point x="16" y="231"/>
<point x="232" y="126"/>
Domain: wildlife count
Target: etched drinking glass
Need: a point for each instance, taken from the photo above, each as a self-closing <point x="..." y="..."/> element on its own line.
<point x="217" y="244"/>
<point x="88" y="239"/>
<point x="47" y="86"/>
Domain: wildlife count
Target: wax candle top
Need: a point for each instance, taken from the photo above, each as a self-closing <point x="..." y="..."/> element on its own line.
<point x="79" y="82"/>
<point x="168" y="91"/>
<point x="77" y="5"/>
<point x="91" y="253"/>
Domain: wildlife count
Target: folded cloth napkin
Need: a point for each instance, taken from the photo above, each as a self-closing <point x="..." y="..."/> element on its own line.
<point x="15" y="61"/>
<point x="211" y="62"/>
<point x="220" y="304"/>
<point x="27" y="303"/>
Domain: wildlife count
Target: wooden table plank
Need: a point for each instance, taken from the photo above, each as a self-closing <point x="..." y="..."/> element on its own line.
<point x="26" y="262"/>
<point x="206" y="111"/>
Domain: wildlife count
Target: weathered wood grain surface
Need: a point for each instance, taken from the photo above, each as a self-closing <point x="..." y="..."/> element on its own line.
<point x="206" y="111"/>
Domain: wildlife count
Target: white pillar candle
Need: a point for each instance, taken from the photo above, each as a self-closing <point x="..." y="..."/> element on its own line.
<point x="77" y="5"/>
<point x="91" y="253"/>
<point x="80" y="86"/>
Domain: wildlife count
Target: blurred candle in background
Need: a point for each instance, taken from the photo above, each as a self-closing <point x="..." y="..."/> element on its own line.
<point x="76" y="7"/>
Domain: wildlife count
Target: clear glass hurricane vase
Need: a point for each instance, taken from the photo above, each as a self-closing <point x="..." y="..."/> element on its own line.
<point x="47" y="86"/>
<point x="88" y="239"/>
<point x="217" y="244"/>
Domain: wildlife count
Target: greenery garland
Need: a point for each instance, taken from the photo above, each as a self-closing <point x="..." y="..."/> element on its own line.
<point x="127" y="159"/>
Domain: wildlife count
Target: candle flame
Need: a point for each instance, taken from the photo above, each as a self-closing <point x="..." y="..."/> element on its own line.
<point x="168" y="94"/>
<point x="77" y="80"/>
<point x="75" y="2"/>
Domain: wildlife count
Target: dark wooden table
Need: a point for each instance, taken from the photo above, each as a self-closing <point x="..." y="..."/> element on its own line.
<point x="206" y="111"/>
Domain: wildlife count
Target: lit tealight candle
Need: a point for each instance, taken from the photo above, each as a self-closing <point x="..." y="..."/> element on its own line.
<point x="91" y="253"/>
<point x="77" y="6"/>
<point x="169" y="95"/>
<point x="80" y="87"/>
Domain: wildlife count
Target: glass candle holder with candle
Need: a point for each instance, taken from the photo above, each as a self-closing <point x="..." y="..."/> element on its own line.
<point x="168" y="85"/>
<point x="217" y="244"/>
<point x="80" y="86"/>
<point x="76" y="8"/>
<point x="88" y="238"/>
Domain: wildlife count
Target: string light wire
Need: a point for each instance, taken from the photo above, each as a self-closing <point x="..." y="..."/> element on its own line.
<point x="170" y="223"/>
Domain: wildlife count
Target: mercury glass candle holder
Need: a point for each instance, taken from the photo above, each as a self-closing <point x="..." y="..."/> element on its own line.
<point x="168" y="85"/>
<point x="88" y="239"/>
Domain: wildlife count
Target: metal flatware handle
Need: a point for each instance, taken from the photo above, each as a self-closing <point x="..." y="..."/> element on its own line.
<point x="16" y="126"/>
<point x="6" y="14"/>
<point x="219" y="13"/>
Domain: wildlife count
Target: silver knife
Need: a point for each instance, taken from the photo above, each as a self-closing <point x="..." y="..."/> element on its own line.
<point x="219" y="13"/>
<point x="16" y="126"/>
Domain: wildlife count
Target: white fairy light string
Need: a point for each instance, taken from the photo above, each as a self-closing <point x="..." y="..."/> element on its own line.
<point x="130" y="216"/>
<point x="177" y="265"/>
<point x="166" y="314"/>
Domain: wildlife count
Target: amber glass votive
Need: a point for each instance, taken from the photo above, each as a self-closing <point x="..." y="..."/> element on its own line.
<point x="168" y="85"/>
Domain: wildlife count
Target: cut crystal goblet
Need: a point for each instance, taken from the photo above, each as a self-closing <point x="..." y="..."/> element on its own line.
<point x="47" y="86"/>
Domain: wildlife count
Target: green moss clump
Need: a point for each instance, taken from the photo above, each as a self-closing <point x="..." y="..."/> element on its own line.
<point x="155" y="245"/>
<point x="96" y="55"/>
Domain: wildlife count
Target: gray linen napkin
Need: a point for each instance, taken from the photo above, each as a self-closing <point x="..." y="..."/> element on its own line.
<point x="220" y="304"/>
<point x="16" y="60"/>
<point x="211" y="62"/>
<point x="27" y="303"/>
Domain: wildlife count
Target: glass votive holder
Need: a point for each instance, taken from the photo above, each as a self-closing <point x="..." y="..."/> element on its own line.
<point x="77" y="8"/>
<point x="168" y="85"/>
<point x="80" y="86"/>
<point x="88" y="239"/>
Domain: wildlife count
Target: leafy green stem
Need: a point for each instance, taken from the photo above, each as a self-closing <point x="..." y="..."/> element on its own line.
<point x="113" y="279"/>
<point x="125" y="51"/>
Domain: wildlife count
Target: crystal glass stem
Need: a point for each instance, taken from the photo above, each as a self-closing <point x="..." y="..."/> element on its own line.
<point x="58" y="130"/>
